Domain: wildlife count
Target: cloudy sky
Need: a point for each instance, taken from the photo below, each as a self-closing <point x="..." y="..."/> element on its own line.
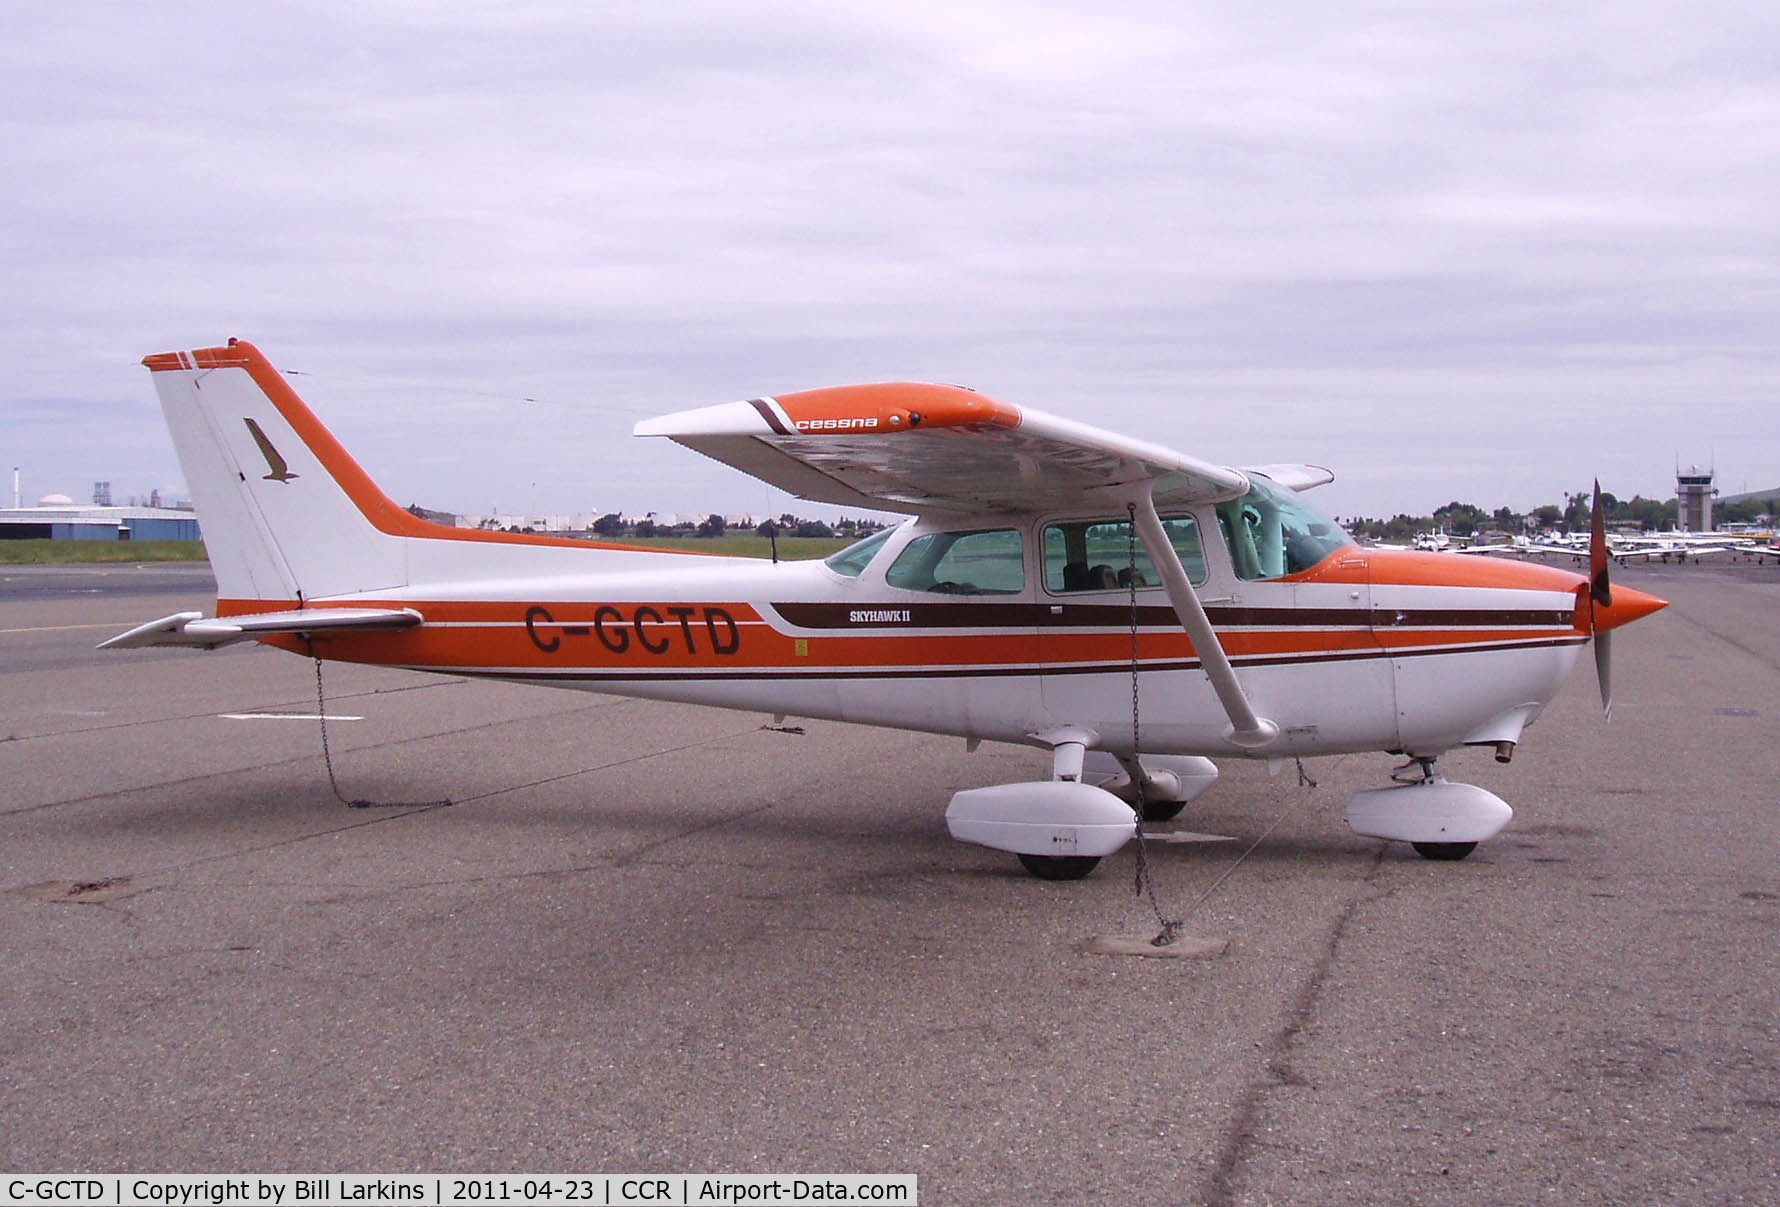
<point x="1471" y="251"/>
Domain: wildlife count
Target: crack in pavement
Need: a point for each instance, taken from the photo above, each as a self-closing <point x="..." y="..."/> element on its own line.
<point x="1240" y="1141"/>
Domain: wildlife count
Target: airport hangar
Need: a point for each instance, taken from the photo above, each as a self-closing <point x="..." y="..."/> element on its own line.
<point x="70" y="521"/>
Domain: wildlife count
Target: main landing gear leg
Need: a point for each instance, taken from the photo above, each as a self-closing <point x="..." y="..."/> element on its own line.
<point x="1067" y="757"/>
<point x="1162" y="794"/>
<point x="1060" y="827"/>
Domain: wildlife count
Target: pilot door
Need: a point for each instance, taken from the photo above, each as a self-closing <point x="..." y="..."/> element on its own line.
<point x="1296" y="620"/>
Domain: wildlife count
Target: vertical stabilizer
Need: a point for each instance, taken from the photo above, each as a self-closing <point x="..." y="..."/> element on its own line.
<point x="286" y="514"/>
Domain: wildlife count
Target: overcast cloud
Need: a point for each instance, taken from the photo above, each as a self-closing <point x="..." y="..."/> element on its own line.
<point x="1481" y="252"/>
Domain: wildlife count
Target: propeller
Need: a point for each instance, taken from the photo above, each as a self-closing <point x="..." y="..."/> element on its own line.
<point x="1608" y="609"/>
<point x="1604" y="670"/>
<point x="1600" y="593"/>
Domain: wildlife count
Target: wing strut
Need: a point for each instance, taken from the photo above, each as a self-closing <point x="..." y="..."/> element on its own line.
<point x="1247" y="730"/>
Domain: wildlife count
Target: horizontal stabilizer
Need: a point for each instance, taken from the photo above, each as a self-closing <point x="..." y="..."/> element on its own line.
<point x="197" y="631"/>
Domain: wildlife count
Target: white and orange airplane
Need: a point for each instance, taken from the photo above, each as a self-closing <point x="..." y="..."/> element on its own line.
<point x="1134" y="610"/>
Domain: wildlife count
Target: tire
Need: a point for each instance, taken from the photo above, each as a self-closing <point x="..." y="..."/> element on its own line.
<point x="1060" y="867"/>
<point x="1448" y="851"/>
<point x="1162" y="810"/>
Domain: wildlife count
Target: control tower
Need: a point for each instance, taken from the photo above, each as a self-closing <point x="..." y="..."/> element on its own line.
<point x="1693" y="494"/>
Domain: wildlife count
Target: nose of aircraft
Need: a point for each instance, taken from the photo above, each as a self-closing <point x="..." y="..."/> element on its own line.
<point x="1627" y="605"/>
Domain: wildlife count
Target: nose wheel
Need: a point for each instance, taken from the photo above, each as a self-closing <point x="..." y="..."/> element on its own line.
<point x="1445" y="852"/>
<point x="1442" y="821"/>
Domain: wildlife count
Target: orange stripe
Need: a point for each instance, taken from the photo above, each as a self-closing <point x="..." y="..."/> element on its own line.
<point x="667" y="643"/>
<point x="893" y="406"/>
<point x="1405" y="568"/>
<point x="646" y="636"/>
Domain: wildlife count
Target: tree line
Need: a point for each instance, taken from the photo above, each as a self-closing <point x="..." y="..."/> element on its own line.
<point x="612" y="526"/>
<point x="1456" y="518"/>
<point x="1468" y="519"/>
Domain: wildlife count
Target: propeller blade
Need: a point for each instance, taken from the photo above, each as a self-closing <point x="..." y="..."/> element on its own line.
<point x="1600" y="594"/>
<point x="1604" y="669"/>
<point x="1603" y="614"/>
<point x="1598" y="588"/>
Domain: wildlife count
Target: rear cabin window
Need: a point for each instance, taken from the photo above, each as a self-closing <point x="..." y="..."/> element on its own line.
<point x="1271" y="533"/>
<point x="1097" y="555"/>
<point x="989" y="562"/>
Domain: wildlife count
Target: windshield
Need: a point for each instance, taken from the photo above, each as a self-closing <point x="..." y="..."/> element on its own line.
<point x="1271" y="532"/>
<point x="852" y="560"/>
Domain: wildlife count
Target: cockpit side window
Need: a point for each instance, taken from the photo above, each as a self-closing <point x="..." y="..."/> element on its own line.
<point x="1096" y="555"/>
<point x="987" y="562"/>
<point x="1271" y="533"/>
<point x="852" y="560"/>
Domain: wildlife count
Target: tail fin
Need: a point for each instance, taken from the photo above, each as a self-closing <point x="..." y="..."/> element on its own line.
<point x="287" y="515"/>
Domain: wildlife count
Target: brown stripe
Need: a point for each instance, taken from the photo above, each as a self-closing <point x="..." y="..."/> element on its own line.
<point x="1104" y="616"/>
<point x="772" y="420"/>
<point x="980" y="672"/>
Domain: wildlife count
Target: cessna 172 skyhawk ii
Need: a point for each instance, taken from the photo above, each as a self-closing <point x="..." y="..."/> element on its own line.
<point x="1050" y="568"/>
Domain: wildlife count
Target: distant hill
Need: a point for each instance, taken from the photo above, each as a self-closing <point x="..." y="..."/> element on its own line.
<point x="1753" y="496"/>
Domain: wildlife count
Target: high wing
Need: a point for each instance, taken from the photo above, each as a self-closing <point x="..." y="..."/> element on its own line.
<point x="905" y="446"/>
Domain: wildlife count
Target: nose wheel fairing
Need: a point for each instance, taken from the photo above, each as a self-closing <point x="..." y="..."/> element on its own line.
<point x="1429" y="811"/>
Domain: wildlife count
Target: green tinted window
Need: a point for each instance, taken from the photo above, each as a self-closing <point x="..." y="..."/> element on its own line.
<point x="1271" y="532"/>
<point x="1097" y="555"/>
<point x="852" y="560"/>
<point x="990" y="562"/>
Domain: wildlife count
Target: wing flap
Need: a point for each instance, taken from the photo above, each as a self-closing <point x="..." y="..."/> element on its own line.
<point x="906" y="446"/>
<point x="194" y="630"/>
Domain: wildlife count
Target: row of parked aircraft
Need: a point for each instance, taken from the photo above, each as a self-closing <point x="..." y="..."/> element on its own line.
<point x="1623" y="549"/>
<point x="1133" y="610"/>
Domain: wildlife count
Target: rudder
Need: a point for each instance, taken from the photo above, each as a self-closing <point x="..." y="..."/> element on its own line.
<point x="287" y="515"/>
